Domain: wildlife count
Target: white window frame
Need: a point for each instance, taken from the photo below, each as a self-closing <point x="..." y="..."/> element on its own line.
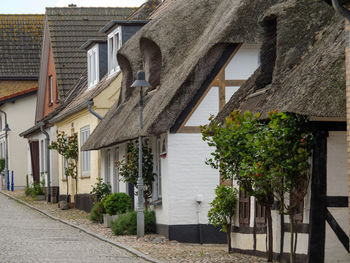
<point x="51" y="88"/>
<point x="116" y="37"/>
<point x="93" y="66"/>
<point x="85" y="162"/>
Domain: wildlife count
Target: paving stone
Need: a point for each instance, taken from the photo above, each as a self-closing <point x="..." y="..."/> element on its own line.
<point x="28" y="236"/>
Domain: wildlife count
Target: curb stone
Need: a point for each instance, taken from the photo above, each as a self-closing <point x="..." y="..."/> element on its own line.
<point x="119" y="245"/>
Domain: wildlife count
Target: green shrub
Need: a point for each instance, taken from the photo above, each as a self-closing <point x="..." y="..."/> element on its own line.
<point x="97" y="211"/>
<point x="28" y="191"/>
<point x="35" y="189"/>
<point x="126" y="224"/>
<point x="117" y="203"/>
<point x="101" y="190"/>
<point x="2" y="164"/>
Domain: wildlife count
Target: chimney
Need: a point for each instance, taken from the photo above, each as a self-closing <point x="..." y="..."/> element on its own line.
<point x="72" y="5"/>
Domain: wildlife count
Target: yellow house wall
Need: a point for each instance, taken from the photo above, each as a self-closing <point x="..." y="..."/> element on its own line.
<point x="74" y="123"/>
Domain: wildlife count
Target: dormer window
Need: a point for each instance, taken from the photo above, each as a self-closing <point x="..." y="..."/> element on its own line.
<point x="114" y="44"/>
<point x="93" y="66"/>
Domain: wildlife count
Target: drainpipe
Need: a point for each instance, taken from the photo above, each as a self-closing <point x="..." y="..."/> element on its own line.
<point x="7" y="129"/>
<point x="47" y="142"/>
<point x="90" y="103"/>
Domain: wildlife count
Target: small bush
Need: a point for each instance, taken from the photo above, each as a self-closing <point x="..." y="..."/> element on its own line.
<point x="35" y="189"/>
<point x="97" y="211"/>
<point x="28" y="191"/>
<point x="126" y="224"/>
<point x="101" y="190"/>
<point x="117" y="203"/>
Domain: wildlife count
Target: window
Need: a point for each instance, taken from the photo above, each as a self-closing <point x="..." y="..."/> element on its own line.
<point x="85" y="155"/>
<point x="115" y="183"/>
<point x="0" y="124"/>
<point x="297" y="206"/>
<point x="114" y="44"/>
<point x="93" y="67"/>
<point x="244" y="208"/>
<point x="51" y="89"/>
<point x="260" y="215"/>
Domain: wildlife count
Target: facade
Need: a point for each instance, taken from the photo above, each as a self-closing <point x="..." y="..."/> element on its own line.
<point x="62" y="63"/>
<point x="310" y="82"/>
<point x="184" y="91"/>
<point x="20" y="45"/>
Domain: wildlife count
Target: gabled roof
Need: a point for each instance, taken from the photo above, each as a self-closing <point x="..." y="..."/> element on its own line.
<point x="69" y="29"/>
<point x="20" y="46"/>
<point x="11" y="89"/>
<point x="192" y="36"/>
<point x="307" y="79"/>
<point x="83" y="95"/>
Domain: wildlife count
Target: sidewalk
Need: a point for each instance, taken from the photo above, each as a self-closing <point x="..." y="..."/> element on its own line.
<point x="154" y="248"/>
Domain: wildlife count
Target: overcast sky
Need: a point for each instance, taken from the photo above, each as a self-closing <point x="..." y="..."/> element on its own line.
<point x="38" y="6"/>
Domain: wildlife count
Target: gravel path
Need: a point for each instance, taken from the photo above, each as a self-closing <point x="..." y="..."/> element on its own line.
<point x="27" y="236"/>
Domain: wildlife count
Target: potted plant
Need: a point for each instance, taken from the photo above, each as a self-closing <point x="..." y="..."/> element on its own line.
<point x="115" y="204"/>
<point x="100" y="191"/>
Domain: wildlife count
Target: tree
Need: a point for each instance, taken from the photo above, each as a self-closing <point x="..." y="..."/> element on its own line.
<point x="129" y="169"/>
<point x="67" y="146"/>
<point x="223" y="207"/>
<point x="269" y="159"/>
<point x="234" y="152"/>
<point x="287" y="145"/>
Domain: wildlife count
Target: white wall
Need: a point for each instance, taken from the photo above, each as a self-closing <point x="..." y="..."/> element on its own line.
<point x="244" y="63"/>
<point x="337" y="185"/>
<point x="20" y="116"/>
<point x="186" y="176"/>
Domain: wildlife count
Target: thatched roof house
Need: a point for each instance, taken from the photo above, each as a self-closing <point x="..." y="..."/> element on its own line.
<point x="308" y="74"/>
<point x="179" y="48"/>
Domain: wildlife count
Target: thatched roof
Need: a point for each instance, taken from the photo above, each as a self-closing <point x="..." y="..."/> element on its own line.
<point x="309" y="74"/>
<point x="191" y="37"/>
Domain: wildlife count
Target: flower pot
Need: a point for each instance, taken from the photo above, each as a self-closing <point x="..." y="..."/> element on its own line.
<point x="107" y="219"/>
<point x="71" y="205"/>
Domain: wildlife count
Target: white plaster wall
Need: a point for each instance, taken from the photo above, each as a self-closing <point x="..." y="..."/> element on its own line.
<point x="229" y="91"/>
<point x="337" y="185"/>
<point x="337" y="164"/>
<point x="20" y="116"/>
<point x="242" y="241"/>
<point x="208" y="106"/>
<point x="302" y="243"/>
<point x="187" y="176"/>
<point x="334" y="250"/>
<point x="244" y="63"/>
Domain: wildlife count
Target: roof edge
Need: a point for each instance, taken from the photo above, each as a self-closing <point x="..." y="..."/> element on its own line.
<point x="112" y="23"/>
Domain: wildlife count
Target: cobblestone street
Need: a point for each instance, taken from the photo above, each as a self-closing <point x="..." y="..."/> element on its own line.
<point x="27" y="236"/>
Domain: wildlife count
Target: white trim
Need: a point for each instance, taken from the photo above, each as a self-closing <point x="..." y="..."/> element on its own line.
<point x="116" y="37"/>
<point x="93" y="66"/>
